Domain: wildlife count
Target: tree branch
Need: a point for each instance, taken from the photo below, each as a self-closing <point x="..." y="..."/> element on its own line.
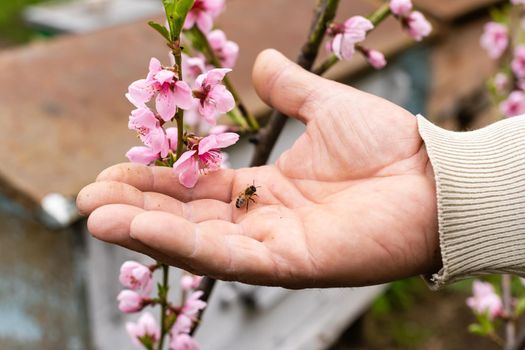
<point x="324" y="14"/>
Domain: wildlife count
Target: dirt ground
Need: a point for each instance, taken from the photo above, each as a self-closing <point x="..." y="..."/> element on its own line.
<point x="416" y="318"/>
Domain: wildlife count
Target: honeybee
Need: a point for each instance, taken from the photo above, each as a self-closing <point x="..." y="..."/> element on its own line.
<point x="245" y="196"/>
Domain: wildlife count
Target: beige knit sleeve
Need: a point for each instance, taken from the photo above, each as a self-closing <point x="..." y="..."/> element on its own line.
<point x="480" y="182"/>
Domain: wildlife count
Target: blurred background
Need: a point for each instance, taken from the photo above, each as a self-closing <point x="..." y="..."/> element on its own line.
<point x="64" y="69"/>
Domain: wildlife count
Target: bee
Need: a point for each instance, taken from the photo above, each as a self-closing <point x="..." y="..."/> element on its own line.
<point x="245" y="196"/>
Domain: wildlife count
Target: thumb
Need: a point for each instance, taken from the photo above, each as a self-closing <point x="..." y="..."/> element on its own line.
<point x="287" y="87"/>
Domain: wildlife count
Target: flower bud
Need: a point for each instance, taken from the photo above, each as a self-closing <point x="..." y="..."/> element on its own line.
<point x="136" y="276"/>
<point x="130" y="301"/>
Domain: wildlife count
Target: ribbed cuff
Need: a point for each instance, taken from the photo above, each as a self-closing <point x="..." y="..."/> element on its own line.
<point x="480" y="182"/>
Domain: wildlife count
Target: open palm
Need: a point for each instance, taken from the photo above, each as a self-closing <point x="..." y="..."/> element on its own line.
<point x="351" y="203"/>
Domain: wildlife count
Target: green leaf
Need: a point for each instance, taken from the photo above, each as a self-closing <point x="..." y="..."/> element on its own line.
<point x="520" y="307"/>
<point x="176" y="11"/>
<point x="161" y="29"/>
<point x="146" y="341"/>
<point x="476" y="329"/>
<point x="170" y="320"/>
<point x="485" y="322"/>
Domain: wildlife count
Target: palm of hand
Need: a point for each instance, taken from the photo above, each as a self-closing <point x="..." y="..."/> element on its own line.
<point x="351" y="203"/>
<point x="353" y="194"/>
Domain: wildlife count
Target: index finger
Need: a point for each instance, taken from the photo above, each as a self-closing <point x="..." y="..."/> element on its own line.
<point x="215" y="185"/>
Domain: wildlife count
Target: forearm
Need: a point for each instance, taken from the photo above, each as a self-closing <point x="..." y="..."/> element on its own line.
<point x="480" y="185"/>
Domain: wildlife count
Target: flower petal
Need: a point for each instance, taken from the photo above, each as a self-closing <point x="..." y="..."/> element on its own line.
<point x="172" y="135"/>
<point x="190" y="20"/>
<point x="217" y="141"/>
<point x="224" y="101"/>
<point x="142" y="155"/>
<point x="164" y="76"/>
<point x="347" y="48"/>
<point x="165" y="104"/>
<point x="188" y="169"/>
<point x="215" y="76"/>
<point x="156" y="139"/>
<point x="154" y="67"/>
<point x="142" y="118"/>
<point x="182" y="95"/>
<point x="182" y="163"/>
<point x="140" y="92"/>
<point x="208" y="110"/>
<point x="217" y="39"/>
<point x="204" y="22"/>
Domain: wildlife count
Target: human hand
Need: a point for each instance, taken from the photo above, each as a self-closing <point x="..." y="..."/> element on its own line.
<point x="351" y="203"/>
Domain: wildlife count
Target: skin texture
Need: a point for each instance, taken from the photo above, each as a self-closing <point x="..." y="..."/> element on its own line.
<point x="352" y="203"/>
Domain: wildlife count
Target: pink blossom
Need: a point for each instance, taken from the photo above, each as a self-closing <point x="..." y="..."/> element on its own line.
<point x="400" y="7"/>
<point x="213" y="97"/>
<point x="417" y="25"/>
<point x="521" y="84"/>
<point x="142" y="155"/>
<point x="142" y="120"/>
<point x="226" y="50"/>
<point x="218" y="129"/>
<point x="180" y="338"/>
<point x="202" y="13"/>
<point x="188" y="282"/>
<point x="158" y="144"/>
<point x="146" y="326"/>
<point x="182" y="324"/>
<point x="171" y="92"/>
<point x="192" y="67"/>
<point x="494" y="39"/>
<point x="146" y="124"/>
<point x="157" y="147"/>
<point x="136" y="276"/>
<point x="193" y="304"/>
<point x="130" y="301"/>
<point x="183" y="342"/>
<point x="376" y="59"/>
<point x="202" y="157"/>
<point x="517" y="2"/>
<point x="501" y="81"/>
<point x="345" y="36"/>
<point x="518" y="61"/>
<point x="514" y="104"/>
<point x="485" y="300"/>
<point x="172" y="136"/>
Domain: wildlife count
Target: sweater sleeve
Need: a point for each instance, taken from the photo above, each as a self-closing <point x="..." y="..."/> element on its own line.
<point x="480" y="185"/>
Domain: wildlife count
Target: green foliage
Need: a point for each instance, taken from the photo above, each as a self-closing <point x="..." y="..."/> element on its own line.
<point x="410" y="334"/>
<point x="176" y="11"/>
<point x="501" y="14"/>
<point x="484" y="326"/>
<point x="170" y="320"/>
<point x="477" y="329"/>
<point x="147" y="342"/>
<point x="520" y="307"/>
<point x="12" y="28"/>
<point x="160" y="29"/>
<point x="399" y="296"/>
<point x="162" y="291"/>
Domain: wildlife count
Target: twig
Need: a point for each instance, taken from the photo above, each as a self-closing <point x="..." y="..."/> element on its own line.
<point x="519" y="344"/>
<point x="249" y="121"/>
<point x="164" y="304"/>
<point x="375" y="17"/>
<point x="324" y="14"/>
<point x="510" y="328"/>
